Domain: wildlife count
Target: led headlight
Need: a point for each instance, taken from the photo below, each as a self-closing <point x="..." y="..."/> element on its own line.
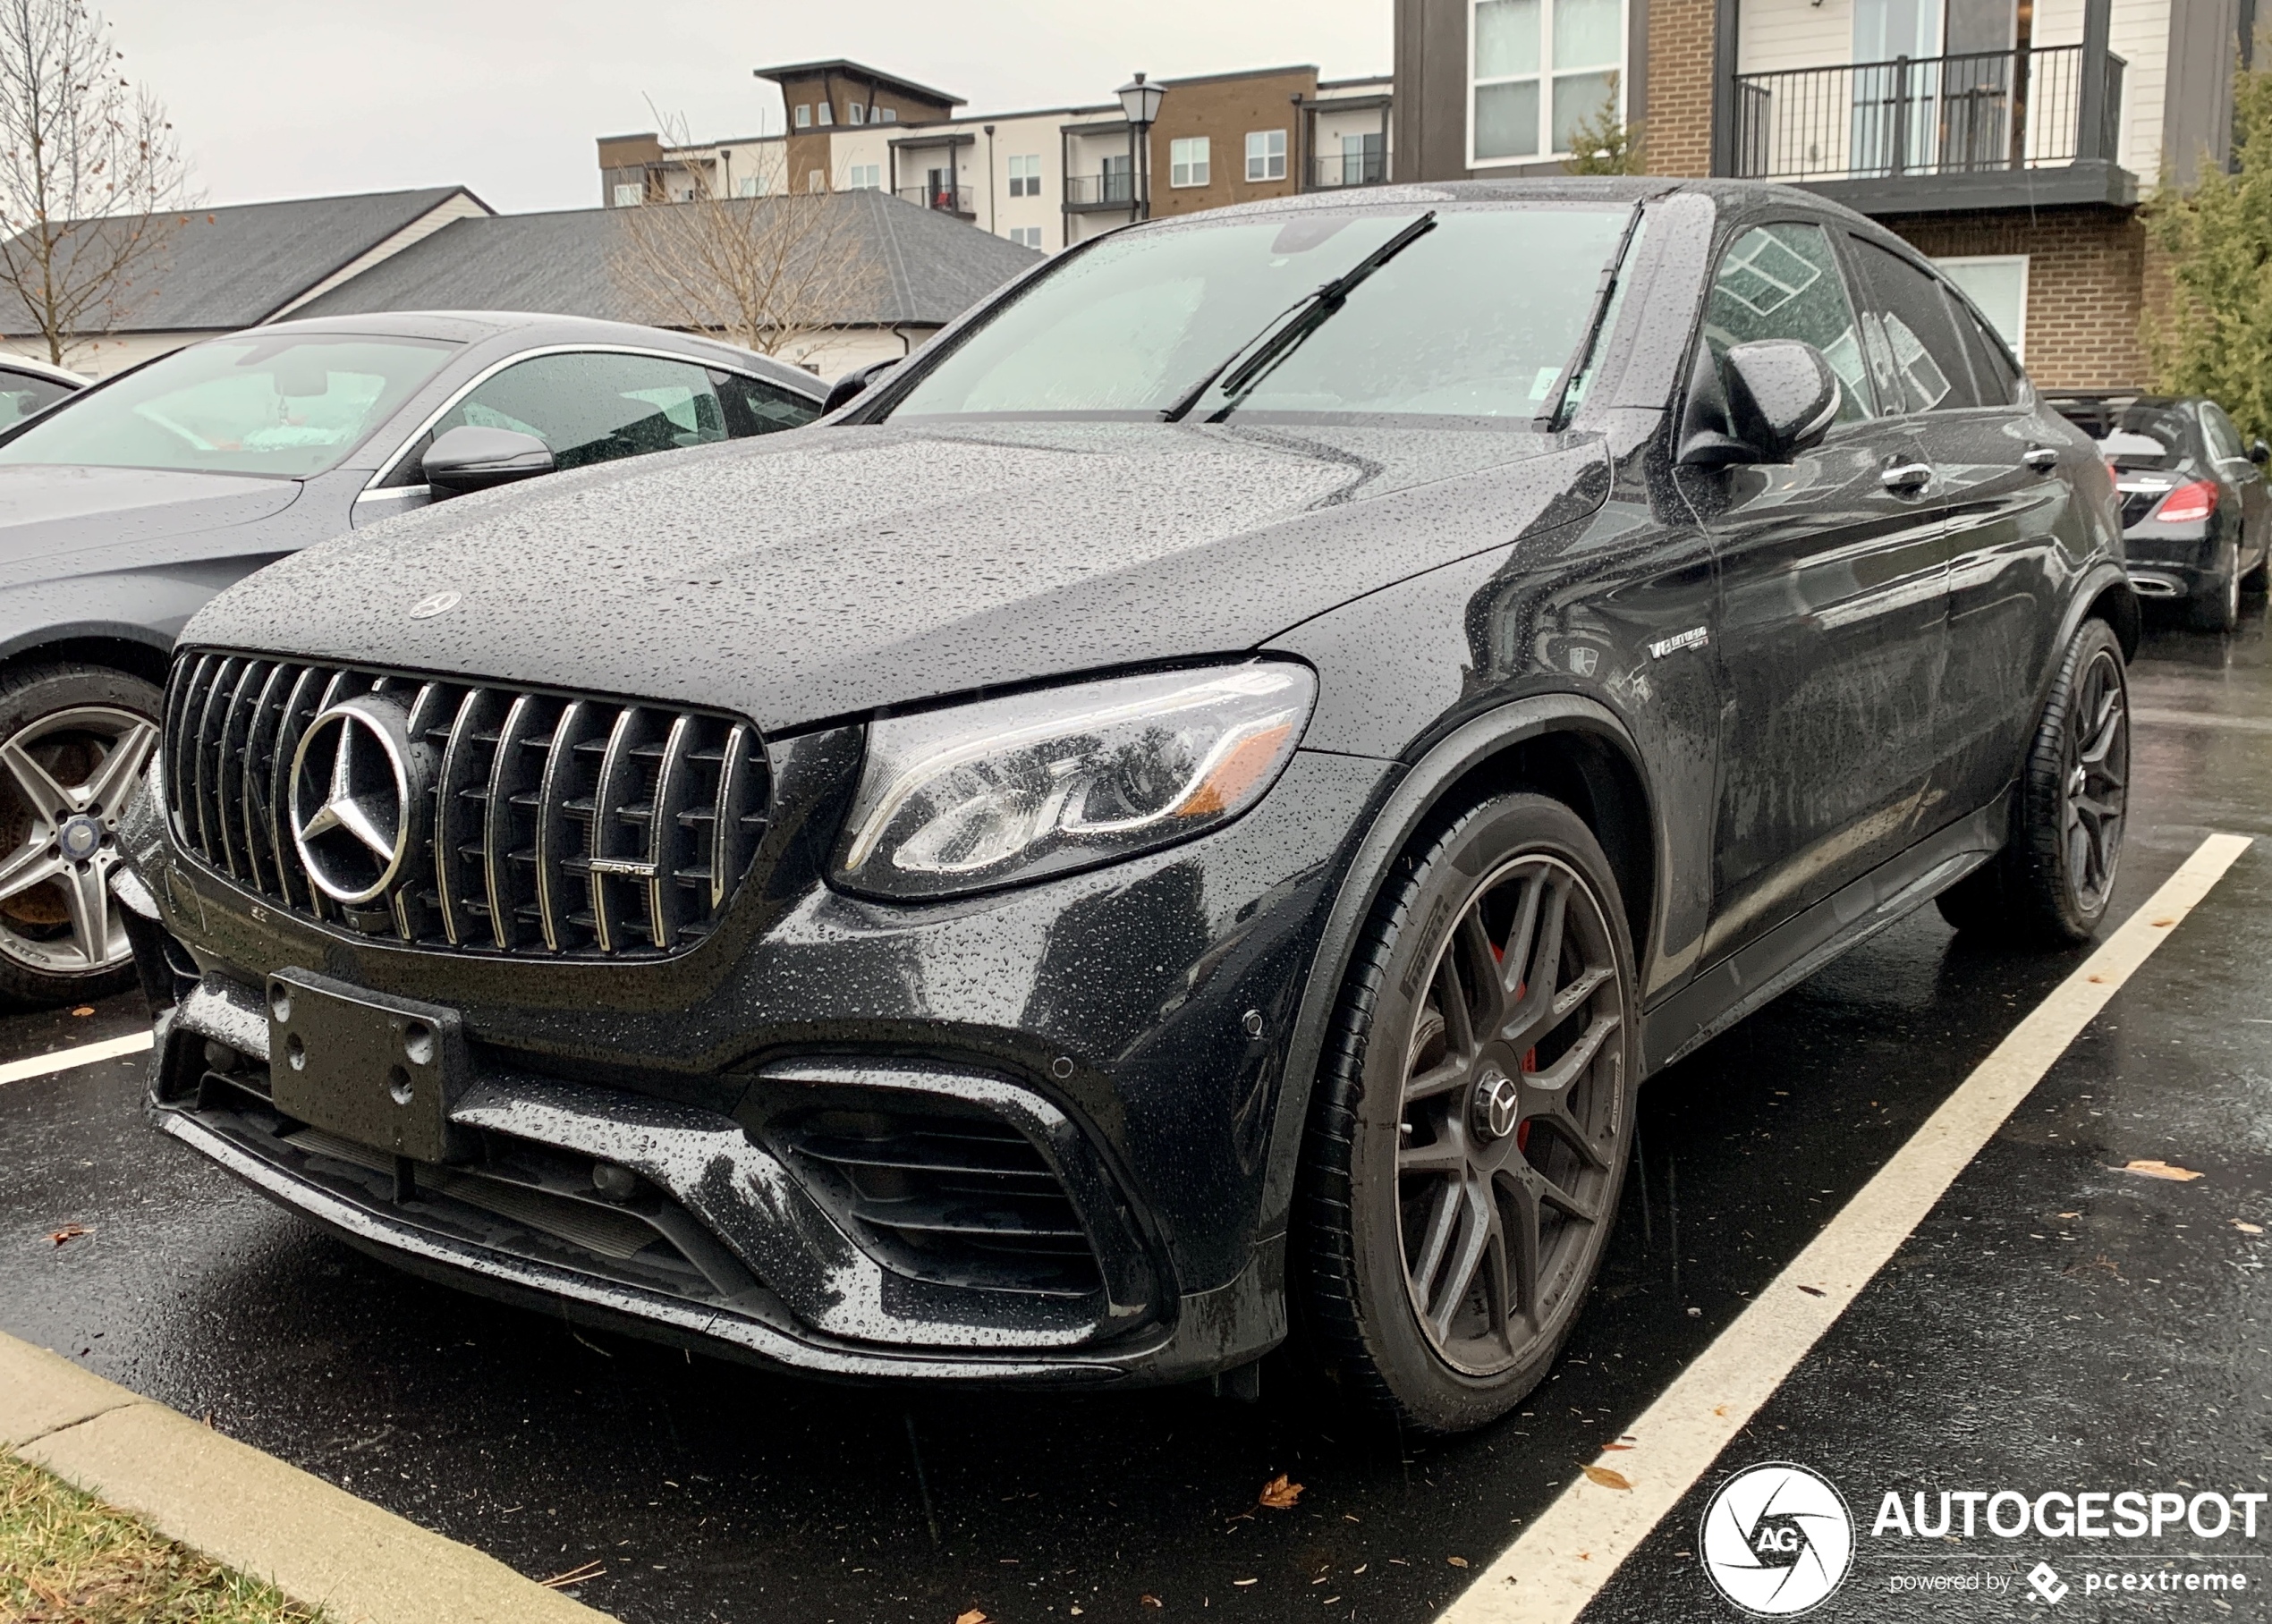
<point x="1009" y="790"/>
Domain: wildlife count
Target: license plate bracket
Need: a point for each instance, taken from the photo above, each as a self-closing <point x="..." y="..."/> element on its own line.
<point x="380" y="1070"/>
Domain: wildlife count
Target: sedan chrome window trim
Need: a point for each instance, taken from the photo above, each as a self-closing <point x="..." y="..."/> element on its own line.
<point x="371" y="486"/>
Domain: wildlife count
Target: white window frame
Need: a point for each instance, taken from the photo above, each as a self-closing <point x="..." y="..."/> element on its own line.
<point x="887" y="115"/>
<point x="1194" y="146"/>
<point x="629" y="194"/>
<point x="1545" y="76"/>
<point x="865" y="177"/>
<point x="1272" y="163"/>
<point x="2018" y="341"/>
<point x="824" y="113"/>
<point x="1025" y="175"/>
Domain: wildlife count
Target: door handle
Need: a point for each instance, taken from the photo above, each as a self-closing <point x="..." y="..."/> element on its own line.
<point x="2041" y="458"/>
<point x="1906" y="477"/>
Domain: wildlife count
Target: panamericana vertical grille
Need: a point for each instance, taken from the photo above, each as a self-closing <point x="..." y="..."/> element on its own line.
<point x="553" y="824"/>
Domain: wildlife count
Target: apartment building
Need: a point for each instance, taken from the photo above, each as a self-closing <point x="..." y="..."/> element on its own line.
<point x="2010" y="140"/>
<point x="1044" y="178"/>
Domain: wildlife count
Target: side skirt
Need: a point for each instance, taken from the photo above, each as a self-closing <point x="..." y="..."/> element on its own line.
<point x="1723" y="995"/>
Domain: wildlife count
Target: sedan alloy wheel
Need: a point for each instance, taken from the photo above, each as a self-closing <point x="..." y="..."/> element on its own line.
<point x="65" y="776"/>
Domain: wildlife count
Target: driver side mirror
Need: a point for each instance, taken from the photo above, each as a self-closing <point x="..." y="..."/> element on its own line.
<point x="853" y="384"/>
<point x="2259" y="453"/>
<point x="468" y="459"/>
<point x="1777" y="397"/>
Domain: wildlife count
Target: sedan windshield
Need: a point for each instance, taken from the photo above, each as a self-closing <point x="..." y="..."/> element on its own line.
<point x="289" y="406"/>
<point x="1476" y="318"/>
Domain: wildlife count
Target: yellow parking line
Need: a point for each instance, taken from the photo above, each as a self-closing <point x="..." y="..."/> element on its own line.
<point x="1566" y="1556"/>
<point x="83" y="1054"/>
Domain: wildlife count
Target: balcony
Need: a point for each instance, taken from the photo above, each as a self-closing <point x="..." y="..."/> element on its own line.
<point x="1349" y="169"/>
<point x="1983" y="129"/>
<point x="947" y="199"/>
<point x="1114" y="189"/>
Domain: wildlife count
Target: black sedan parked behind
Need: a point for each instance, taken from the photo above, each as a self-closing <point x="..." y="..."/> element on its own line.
<point x="1183" y="815"/>
<point x="2195" y="523"/>
<point x="127" y="507"/>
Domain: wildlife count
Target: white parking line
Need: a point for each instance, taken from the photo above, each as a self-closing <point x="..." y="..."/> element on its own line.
<point x="1566" y="1556"/>
<point x="83" y="1054"/>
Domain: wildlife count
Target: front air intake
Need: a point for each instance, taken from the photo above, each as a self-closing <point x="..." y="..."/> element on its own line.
<point x="531" y="823"/>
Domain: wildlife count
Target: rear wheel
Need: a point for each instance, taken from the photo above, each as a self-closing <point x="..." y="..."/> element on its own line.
<point x="2053" y="881"/>
<point x="74" y="742"/>
<point x="2217" y="606"/>
<point x="1470" y="1131"/>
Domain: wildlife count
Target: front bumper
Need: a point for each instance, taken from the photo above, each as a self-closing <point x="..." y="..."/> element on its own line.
<point x="1090" y="1040"/>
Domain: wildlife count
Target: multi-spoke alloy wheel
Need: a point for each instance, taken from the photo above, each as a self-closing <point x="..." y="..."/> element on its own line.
<point x="2097" y="778"/>
<point x="1469" y="1130"/>
<point x="66" y="771"/>
<point x="1511" y="1103"/>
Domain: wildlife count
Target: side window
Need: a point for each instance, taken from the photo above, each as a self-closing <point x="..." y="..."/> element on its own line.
<point x="589" y="408"/>
<point x="755" y="407"/>
<point x="2223" y="437"/>
<point x="1993" y="371"/>
<point x="1919" y="356"/>
<point x="1781" y="282"/>
<point x="21" y="393"/>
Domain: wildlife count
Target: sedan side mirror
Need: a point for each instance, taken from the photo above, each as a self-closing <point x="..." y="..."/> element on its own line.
<point x="853" y="384"/>
<point x="469" y="458"/>
<point x="2259" y="453"/>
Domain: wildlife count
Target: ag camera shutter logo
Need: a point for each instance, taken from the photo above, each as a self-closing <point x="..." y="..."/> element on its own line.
<point x="1778" y="1540"/>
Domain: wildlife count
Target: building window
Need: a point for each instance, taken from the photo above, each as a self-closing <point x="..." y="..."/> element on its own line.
<point x="629" y="196"/>
<point x="805" y="116"/>
<point x="746" y="187"/>
<point x="856" y="113"/>
<point x="1998" y="285"/>
<point x="1265" y="154"/>
<point x="1364" y="158"/>
<point x="865" y="177"/>
<point x="816" y="180"/>
<point x="1541" y="68"/>
<point x="1025" y="176"/>
<point x="1026" y="236"/>
<point x="1187" y="161"/>
<point x="887" y="115"/>
<point x="823" y="114"/>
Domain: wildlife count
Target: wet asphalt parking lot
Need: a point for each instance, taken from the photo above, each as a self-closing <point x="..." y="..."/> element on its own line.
<point x="2053" y="1324"/>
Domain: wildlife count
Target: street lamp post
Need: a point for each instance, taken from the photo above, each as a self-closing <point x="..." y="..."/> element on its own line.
<point x="1140" y="102"/>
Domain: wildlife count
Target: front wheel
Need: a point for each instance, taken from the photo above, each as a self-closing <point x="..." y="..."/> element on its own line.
<point x="1473" y="1118"/>
<point x="2053" y="881"/>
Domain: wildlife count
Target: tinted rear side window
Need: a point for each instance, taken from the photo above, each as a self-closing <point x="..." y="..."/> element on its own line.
<point x="2224" y="439"/>
<point x="755" y="407"/>
<point x="1918" y="356"/>
<point x="1999" y="380"/>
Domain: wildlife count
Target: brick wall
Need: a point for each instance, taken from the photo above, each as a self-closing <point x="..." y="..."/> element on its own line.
<point x="2087" y="280"/>
<point x="1679" y="115"/>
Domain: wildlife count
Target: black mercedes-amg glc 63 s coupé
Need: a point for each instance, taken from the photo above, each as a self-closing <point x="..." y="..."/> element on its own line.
<point x="1178" y="817"/>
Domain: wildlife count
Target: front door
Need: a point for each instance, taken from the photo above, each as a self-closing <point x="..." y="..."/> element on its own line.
<point x="1832" y="622"/>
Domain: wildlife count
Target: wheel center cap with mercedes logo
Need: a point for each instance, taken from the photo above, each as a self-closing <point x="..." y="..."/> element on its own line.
<point x="1496" y="1104"/>
<point x="357" y="788"/>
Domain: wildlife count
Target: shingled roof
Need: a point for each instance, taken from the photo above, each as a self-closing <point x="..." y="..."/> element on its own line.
<point x="937" y="267"/>
<point x="223" y="269"/>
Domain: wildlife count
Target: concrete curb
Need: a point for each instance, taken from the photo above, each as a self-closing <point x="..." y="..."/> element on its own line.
<point x="319" y="1544"/>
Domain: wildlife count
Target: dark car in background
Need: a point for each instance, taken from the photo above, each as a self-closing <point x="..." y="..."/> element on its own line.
<point x="2195" y="523"/>
<point x="128" y="506"/>
<point x="28" y="387"/>
<point x="1183" y="814"/>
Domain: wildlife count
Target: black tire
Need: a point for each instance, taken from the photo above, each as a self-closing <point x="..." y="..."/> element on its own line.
<point x="1509" y="1223"/>
<point x="2051" y="884"/>
<point x="2255" y="581"/>
<point x="81" y="735"/>
<point x="2217" y="606"/>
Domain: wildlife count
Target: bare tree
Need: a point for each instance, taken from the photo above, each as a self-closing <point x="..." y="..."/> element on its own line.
<point x="768" y="272"/>
<point x="90" y="176"/>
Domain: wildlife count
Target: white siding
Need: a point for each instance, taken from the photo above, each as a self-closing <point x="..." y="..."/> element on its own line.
<point x="1774" y="34"/>
<point x="459" y="206"/>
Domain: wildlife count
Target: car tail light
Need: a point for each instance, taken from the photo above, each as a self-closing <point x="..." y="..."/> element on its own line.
<point x="2194" y="500"/>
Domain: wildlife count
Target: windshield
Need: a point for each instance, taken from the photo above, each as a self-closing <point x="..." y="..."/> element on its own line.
<point x="289" y="406"/>
<point x="1476" y="318"/>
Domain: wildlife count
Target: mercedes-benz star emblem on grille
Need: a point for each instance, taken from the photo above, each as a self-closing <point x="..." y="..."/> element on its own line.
<point x="353" y="799"/>
<point x="434" y="604"/>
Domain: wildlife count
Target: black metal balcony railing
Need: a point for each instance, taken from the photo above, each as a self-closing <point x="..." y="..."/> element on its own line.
<point x="1349" y="169"/>
<point x="1929" y="115"/>
<point x="947" y="199"/>
<point x="1113" y="186"/>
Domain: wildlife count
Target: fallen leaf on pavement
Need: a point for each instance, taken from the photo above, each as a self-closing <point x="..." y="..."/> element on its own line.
<point x="1149" y="1600"/>
<point x="1812" y="1291"/>
<point x="1607" y="1478"/>
<point x="1243" y="1583"/>
<point x="2164" y="924"/>
<point x="574" y="1575"/>
<point x="69" y="1232"/>
<point x="1607" y="1447"/>
<point x="2157" y="1170"/>
<point x="84" y="1010"/>
<point x="1279" y="1494"/>
<point x="1456" y="1561"/>
<point x="972" y="1617"/>
<point x="2247" y="1227"/>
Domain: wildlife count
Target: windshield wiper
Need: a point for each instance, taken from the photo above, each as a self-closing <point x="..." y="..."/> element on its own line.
<point x="1308" y="314"/>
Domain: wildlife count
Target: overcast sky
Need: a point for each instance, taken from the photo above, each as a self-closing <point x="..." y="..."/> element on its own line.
<point x="274" y="99"/>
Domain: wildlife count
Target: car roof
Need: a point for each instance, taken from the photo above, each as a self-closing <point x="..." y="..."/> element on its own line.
<point x="504" y="330"/>
<point x="1728" y="196"/>
<point x="38" y="369"/>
